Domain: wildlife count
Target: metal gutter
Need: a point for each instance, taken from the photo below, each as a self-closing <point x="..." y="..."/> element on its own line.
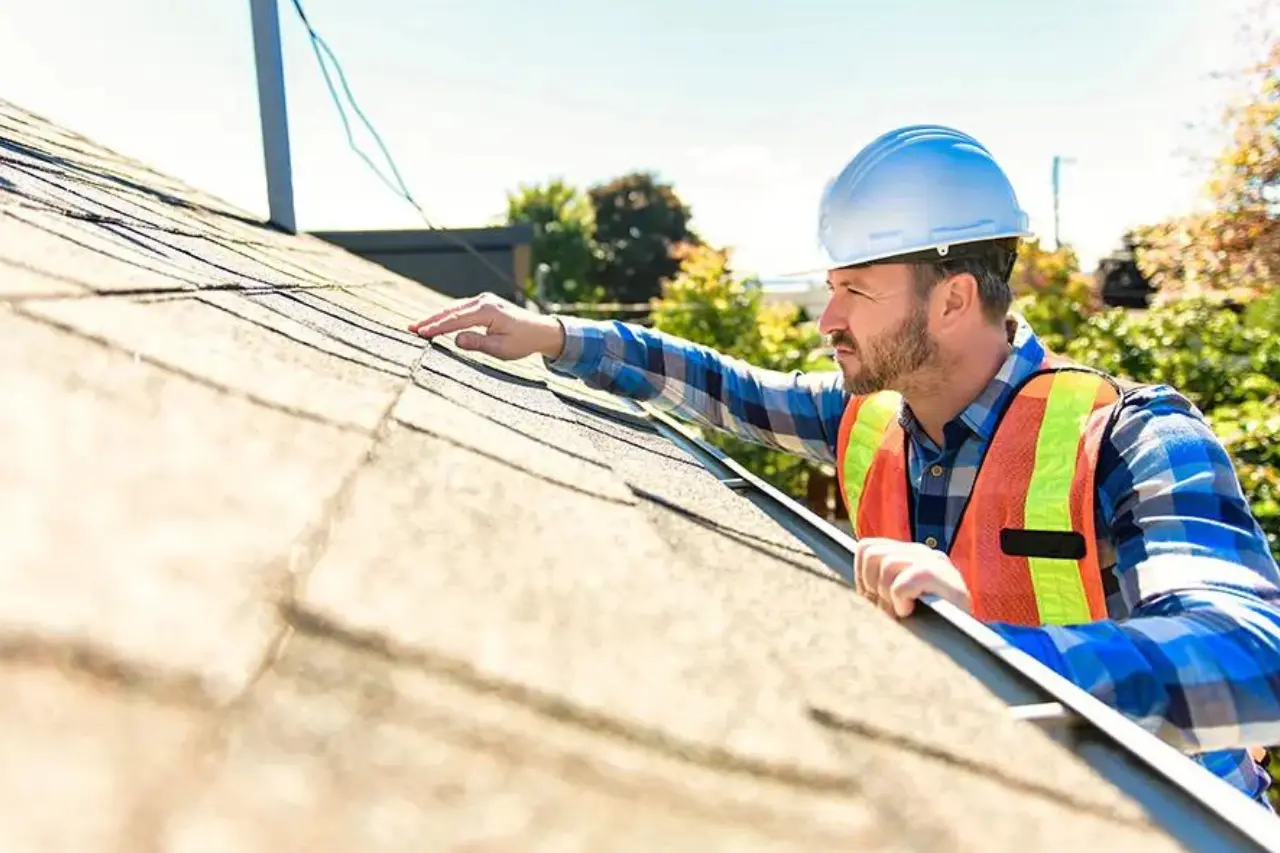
<point x="1195" y="807"/>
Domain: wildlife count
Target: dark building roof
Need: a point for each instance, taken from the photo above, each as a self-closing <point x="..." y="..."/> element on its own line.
<point x="1120" y="280"/>
<point x="457" y="262"/>
<point x="280" y="575"/>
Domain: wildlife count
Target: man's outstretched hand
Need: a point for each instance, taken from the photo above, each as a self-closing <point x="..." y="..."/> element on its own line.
<point x="509" y="332"/>
<point x="893" y="575"/>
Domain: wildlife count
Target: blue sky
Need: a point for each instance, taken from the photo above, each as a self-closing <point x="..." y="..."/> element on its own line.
<point x="747" y="106"/>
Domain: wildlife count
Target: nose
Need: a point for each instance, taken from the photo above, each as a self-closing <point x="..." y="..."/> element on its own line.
<point x="832" y="319"/>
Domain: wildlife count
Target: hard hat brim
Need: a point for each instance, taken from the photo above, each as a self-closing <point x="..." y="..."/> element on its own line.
<point x="921" y="254"/>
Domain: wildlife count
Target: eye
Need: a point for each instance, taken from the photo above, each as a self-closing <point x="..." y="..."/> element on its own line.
<point x="848" y="288"/>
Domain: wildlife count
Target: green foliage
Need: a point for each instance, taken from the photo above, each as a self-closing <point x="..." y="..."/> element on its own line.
<point x="1264" y="312"/>
<point x="563" y="238"/>
<point x="1050" y="291"/>
<point x="706" y="304"/>
<point x="1209" y="353"/>
<point x="1059" y="311"/>
<point x="1038" y="269"/>
<point x="1251" y="433"/>
<point x="640" y="225"/>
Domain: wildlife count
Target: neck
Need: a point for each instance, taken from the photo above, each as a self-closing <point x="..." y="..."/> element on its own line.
<point x="937" y="394"/>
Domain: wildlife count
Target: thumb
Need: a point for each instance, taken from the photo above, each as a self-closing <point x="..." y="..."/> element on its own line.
<point x="909" y="586"/>
<point x="487" y="344"/>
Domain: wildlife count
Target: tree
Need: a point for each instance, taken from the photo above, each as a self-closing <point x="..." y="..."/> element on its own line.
<point x="563" y="228"/>
<point x="1232" y="247"/>
<point x="639" y="225"/>
<point x="1038" y="269"/>
<point x="1051" y="292"/>
<point x="707" y="304"/>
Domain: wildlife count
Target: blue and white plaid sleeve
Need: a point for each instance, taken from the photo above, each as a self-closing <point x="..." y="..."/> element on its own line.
<point x="794" y="412"/>
<point x="1193" y="653"/>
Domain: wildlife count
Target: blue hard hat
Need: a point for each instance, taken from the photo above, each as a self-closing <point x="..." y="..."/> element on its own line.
<point x="917" y="190"/>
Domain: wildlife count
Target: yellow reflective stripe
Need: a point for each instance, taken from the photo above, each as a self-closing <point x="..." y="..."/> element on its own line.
<point x="865" y="436"/>
<point x="1058" y="586"/>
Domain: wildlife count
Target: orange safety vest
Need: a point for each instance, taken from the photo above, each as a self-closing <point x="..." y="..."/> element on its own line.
<point x="1026" y="543"/>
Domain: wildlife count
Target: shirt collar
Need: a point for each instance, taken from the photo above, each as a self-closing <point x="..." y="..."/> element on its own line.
<point x="1025" y="357"/>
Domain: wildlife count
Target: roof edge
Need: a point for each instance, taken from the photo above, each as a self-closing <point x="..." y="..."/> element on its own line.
<point x="430" y="239"/>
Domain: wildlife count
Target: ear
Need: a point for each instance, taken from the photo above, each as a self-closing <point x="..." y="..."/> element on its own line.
<point x="956" y="299"/>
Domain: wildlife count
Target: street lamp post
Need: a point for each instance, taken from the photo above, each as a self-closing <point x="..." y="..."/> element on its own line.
<point x="273" y="113"/>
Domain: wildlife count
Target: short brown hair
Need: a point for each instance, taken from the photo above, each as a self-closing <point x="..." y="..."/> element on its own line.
<point x="990" y="263"/>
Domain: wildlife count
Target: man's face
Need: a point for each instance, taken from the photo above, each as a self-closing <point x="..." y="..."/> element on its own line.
<point x="878" y="326"/>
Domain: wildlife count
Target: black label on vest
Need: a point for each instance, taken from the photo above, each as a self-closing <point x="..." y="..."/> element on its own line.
<point x="1051" y="544"/>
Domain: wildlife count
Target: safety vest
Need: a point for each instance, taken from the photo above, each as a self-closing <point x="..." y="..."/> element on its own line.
<point x="1026" y="543"/>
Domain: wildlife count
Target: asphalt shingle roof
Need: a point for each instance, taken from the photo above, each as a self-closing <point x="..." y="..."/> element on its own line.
<point x="279" y="575"/>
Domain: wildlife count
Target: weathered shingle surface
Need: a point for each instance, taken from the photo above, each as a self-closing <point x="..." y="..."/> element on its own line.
<point x="278" y="575"/>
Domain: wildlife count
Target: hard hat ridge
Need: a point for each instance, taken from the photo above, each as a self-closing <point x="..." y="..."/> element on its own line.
<point x="914" y="189"/>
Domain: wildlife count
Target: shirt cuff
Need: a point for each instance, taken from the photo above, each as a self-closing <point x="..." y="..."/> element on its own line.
<point x="583" y="347"/>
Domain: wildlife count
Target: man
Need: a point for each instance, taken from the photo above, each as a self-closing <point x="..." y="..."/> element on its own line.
<point x="1099" y="527"/>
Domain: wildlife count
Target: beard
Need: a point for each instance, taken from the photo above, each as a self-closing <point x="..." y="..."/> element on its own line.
<point x="889" y="359"/>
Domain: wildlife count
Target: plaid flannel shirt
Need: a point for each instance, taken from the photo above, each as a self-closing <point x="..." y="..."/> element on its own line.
<point x="1192" y="649"/>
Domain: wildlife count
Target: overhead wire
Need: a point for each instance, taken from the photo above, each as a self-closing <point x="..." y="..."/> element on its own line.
<point x="322" y="50"/>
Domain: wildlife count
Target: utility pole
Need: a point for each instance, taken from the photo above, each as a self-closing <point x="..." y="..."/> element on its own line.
<point x="1058" y="162"/>
<point x="274" y="113"/>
